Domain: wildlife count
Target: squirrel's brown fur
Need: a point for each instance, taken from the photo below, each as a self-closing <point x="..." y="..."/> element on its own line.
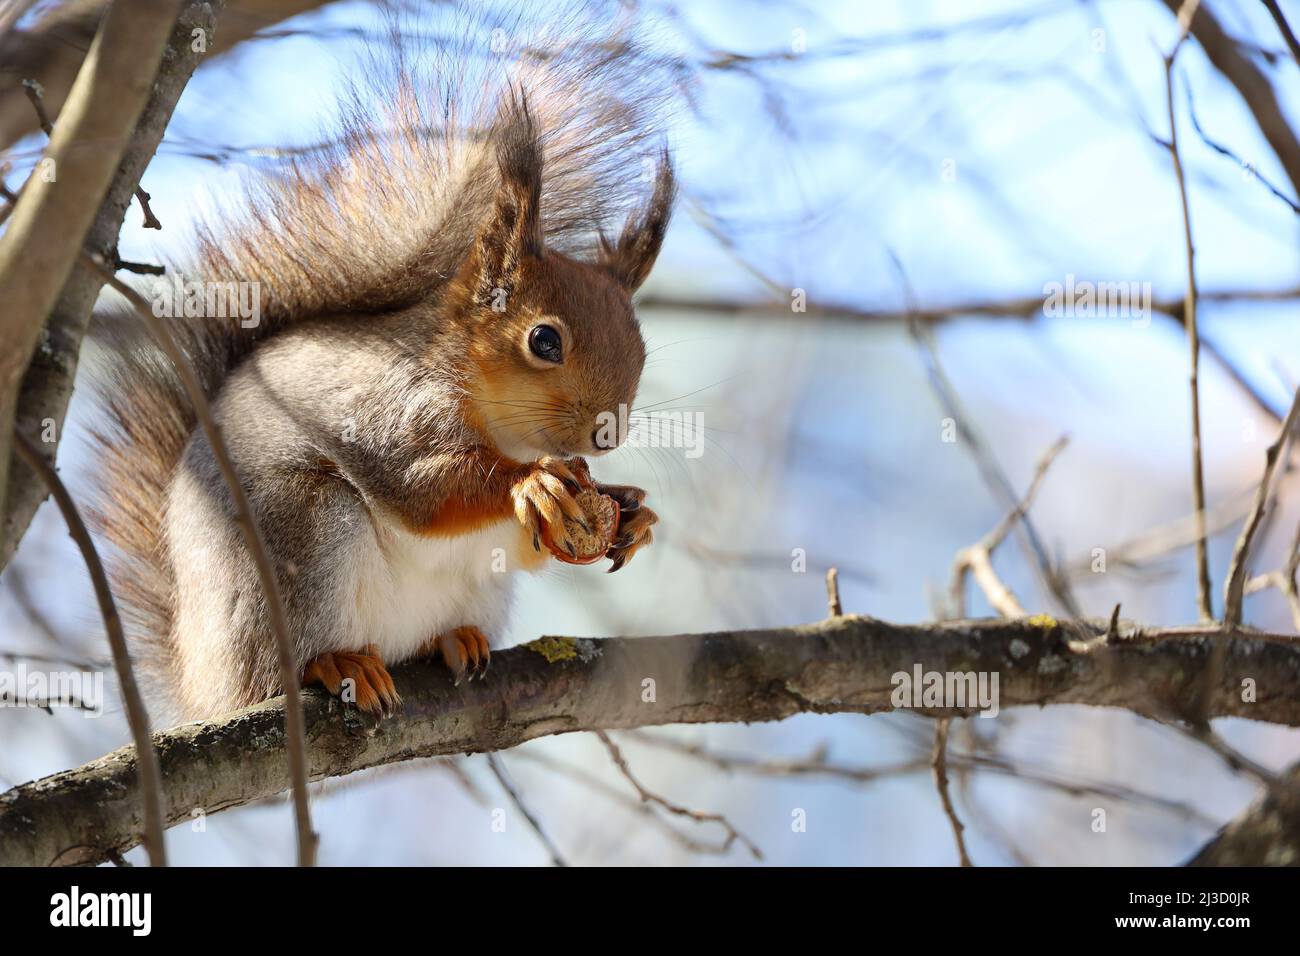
<point x="403" y="224"/>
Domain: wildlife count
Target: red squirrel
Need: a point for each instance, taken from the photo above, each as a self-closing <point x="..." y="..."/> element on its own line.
<point x="445" y="315"/>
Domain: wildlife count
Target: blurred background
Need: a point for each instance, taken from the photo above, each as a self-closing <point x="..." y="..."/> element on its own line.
<point x="877" y="196"/>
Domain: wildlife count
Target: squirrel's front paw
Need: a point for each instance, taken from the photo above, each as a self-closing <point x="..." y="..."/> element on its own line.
<point x="635" y="521"/>
<point x="543" y="496"/>
<point x="371" y="687"/>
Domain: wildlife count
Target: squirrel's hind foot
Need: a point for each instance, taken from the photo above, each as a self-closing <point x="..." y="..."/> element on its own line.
<point x="358" y="677"/>
<point x="464" y="649"/>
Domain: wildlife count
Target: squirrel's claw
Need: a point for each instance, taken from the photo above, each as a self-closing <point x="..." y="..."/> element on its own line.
<point x="465" y="651"/>
<point x="543" y="497"/>
<point x="358" y="677"/>
<point x="635" y="522"/>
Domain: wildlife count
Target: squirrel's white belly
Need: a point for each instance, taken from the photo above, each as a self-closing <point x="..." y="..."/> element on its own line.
<point x="410" y="588"/>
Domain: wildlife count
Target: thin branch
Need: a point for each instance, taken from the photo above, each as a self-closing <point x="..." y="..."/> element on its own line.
<point x="1284" y="28"/>
<point x="561" y="685"/>
<point x="834" y="607"/>
<point x="150" y="220"/>
<point x="625" y="800"/>
<point x="36" y="95"/>
<point x="939" y="763"/>
<point x="991" y="471"/>
<point x="978" y="558"/>
<point x="818" y="765"/>
<point x="253" y="541"/>
<point x="700" y="816"/>
<point x="1284" y="580"/>
<point x="137" y="716"/>
<point x="1203" y="600"/>
<point x="1225" y="151"/>
<point x="1232" y="60"/>
<point x="1284" y="583"/>
<point x="1235" y="584"/>
<point x="1026" y="308"/>
<point x="1237" y="762"/>
<point x="517" y="799"/>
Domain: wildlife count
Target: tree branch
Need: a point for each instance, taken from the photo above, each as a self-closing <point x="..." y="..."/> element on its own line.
<point x="1266" y="834"/>
<point x="558" y="685"/>
<point x="47" y="382"/>
<point x="137" y="715"/>
<point x="1204" y="602"/>
<point x="52" y="218"/>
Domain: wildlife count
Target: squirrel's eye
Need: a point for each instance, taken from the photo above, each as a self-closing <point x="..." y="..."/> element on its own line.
<point x="544" y="342"/>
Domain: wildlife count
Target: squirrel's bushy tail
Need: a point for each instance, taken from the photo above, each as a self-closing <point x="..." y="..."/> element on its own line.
<point x="377" y="217"/>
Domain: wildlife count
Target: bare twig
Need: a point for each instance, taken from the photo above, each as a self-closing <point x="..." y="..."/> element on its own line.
<point x="1235" y="584"/>
<point x="140" y="268"/>
<point x="1284" y="28"/>
<point x="625" y="800"/>
<point x="1147" y="546"/>
<point x="939" y="763"/>
<point x="834" y="606"/>
<point x="517" y="799"/>
<point x="1286" y="583"/>
<point x="36" y="95"/>
<point x="1027" y="308"/>
<point x="1203" y="600"/>
<point x="146" y="759"/>
<point x="150" y="220"/>
<point x="1233" y="60"/>
<point x="1284" y="580"/>
<point x="994" y="477"/>
<point x="733" y="835"/>
<point x="978" y="558"/>
<point x="1225" y="151"/>
<point x="252" y="535"/>
<point x="1238" y="762"/>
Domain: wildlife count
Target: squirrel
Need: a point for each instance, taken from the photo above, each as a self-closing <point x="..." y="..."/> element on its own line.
<point x="445" y="315"/>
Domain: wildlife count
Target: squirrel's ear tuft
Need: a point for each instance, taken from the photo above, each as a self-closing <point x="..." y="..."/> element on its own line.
<point x="513" y="229"/>
<point x="630" y="259"/>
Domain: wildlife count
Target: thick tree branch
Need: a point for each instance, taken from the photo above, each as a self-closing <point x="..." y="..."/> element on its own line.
<point x="1266" y="834"/>
<point x="47" y="382"/>
<point x="44" y="234"/>
<point x="558" y="685"/>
